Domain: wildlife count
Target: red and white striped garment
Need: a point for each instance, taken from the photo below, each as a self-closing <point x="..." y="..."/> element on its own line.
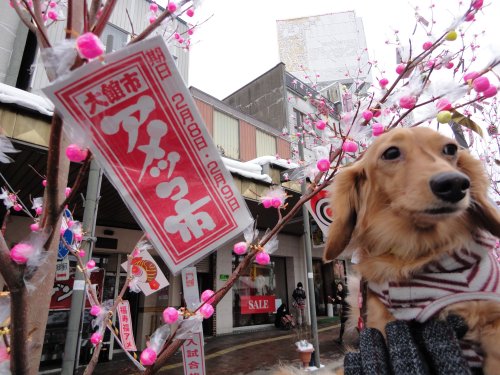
<point x="471" y="273"/>
<point x="467" y="274"/>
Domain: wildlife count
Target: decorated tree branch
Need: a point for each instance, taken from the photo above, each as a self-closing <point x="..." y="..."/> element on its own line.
<point x="415" y="97"/>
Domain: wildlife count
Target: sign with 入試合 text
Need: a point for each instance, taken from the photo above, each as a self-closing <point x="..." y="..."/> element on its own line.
<point x="145" y="131"/>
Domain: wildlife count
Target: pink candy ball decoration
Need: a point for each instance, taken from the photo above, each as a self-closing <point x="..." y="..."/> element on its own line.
<point x="323" y="165"/>
<point x="67" y="192"/>
<point x="21" y="252"/>
<point x="52" y="4"/>
<point x="262" y="258"/>
<point x="96" y="338"/>
<point x="481" y="84"/>
<point x="190" y="12"/>
<point x="407" y="102"/>
<point x="75" y="153"/>
<point x="267" y="202"/>
<point x="377" y="129"/>
<point x="477" y="4"/>
<point x="81" y="253"/>
<point x="95" y="310"/>
<point x="490" y="92"/>
<point x="449" y="65"/>
<point x="152" y="19"/>
<point x="349" y="146"/>
<point x="148" y="357"/>
<point x="17" y="207"/>
<point x="170" y="315"/>
<point x="35" y="227"/>
<point x="52" y="15"/>
<point x="443" y="104"/>
<point x="153" y="7"/>
<point x="39" y="210"/>
<point x="172" y="7"/>
<point x="367" y="115"/>
<point x="320" y="124"/>
<point x="383" y="82"/>
<point x="400" y="68"/>
<point x="90" y="264"/>
<point x="240" y="248"/>
<point x="276" y="202"/>
<point x="471" y="76"/>
<point x="78" y="237"/>
<point x="207" y="295"/>
<point x="89" y="46"/>
<point x="427" y="45"/>
<point x="44" y="183"/>
<point x="207" y="311"/>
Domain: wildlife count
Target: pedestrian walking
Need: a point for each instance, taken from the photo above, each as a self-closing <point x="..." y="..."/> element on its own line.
<point x="342" y="308"/>
<point x="299" y="302"/>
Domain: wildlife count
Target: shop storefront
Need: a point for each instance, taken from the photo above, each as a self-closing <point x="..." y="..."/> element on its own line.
<point x="259" y="292"/>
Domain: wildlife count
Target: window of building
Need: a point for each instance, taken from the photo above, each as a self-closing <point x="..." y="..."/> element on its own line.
<point x="226" y="135"/>
<point x="266" y="144"/>
<point x="257" y="291"/>
<point x="114" y="38"/>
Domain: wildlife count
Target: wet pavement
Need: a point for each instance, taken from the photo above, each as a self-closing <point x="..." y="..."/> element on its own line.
<point x="256" y="353"/>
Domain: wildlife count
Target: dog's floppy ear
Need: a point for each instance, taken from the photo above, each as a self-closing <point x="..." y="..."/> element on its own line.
<point x="344" y="202"/>
<point x="483" y="210"/>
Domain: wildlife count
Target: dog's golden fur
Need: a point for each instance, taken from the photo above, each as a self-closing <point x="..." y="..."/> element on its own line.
<point x="385" y="209"/>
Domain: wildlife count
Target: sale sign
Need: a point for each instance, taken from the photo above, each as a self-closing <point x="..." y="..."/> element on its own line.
<point x="146" y="132"/>
<point x="257" y="304"/>
<point x="126" y="332"/>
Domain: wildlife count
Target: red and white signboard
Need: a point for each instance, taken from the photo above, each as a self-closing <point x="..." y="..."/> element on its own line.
<point x="319" y="208"/>
<point x="63" y="289"/>
<point x="193" y="355"/>
<point x="147" y="134"/>
<point x="146" y="270"/>
<point x="126" y="331"/>
<point x="257" y="304"/>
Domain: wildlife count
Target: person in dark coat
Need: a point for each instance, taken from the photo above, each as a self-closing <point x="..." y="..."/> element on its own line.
<point x="343" y="308"/>
<point x="299" y="302"/>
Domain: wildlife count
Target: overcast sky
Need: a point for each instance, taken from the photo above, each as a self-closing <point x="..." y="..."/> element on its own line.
<point x="238" y="42"/>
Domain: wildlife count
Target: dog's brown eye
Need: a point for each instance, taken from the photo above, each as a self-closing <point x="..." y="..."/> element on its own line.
<point x="450" y="149"/>
<point x="391" y="153"/>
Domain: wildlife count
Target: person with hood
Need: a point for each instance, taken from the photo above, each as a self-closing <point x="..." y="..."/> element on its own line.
<point x="299" y="302"/>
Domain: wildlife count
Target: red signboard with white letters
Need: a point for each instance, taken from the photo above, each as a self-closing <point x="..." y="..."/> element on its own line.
<point x="257" y="304"/>
<point x="138" y="118"/>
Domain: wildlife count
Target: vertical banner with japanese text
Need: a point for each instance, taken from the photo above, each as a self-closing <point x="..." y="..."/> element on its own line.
<point x="126" y="331"/>
<point x="193" y="355"/>
<point x="144" y="129"/>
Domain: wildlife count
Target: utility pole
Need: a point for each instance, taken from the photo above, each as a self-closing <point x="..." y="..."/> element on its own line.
<point x="310" y="276"/>
<point x="72" y="345"/>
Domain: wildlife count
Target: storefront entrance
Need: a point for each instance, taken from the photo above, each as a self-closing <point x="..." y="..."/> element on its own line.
<point x="258" y="292"/>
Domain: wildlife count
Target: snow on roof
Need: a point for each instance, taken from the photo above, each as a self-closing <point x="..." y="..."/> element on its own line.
<point x="287" y="164"/>
<point x="250" y="169"/>
<point x="247" y="169"/>
<point x="12" y="95"/>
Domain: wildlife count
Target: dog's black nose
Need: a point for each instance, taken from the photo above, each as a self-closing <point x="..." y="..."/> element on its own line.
<point x="450" y="186"/>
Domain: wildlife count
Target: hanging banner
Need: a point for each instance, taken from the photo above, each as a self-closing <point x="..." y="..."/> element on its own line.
<point x="146" y="270"/>
<point x="126" y="331"/>
<point x="63" y="289"/>
<point x="145" y="131"/>
<point x="190" y="290"/>
<point x="319" y="208"/>
<point x="193" y="355"/>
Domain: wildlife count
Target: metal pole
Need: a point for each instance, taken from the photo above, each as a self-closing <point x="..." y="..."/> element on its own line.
<point x="310" y="276"/>
<point x="72" y="345"/>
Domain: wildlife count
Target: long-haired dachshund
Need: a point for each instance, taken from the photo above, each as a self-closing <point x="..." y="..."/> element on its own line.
<point x="414" y="211"/>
